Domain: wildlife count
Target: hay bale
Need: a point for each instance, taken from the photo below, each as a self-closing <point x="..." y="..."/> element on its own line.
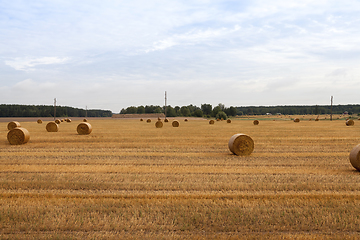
<point x="218" y="119"/>
<point x="68" y="120"/>
<point x="159" y="118"/>
<point x="256" y="122"/>
<point x="12" y="125"/>
<point x="175" y="123"/>
<point x="355" y="157"/>
<point x="185" y="120"/>
<point x="211" y="121"/>
<point x="296" y="120"/>
<point x="58" y="121"/>
<point x="84" y="120"/>
<point x="228" y="121"/>
<point x="39" y="121"/>
<point x="166" y="120"/>
<point x="141" y="119"/>
<point x="241" y="144"/>
<point x="159" y="124"/>
<point x="18" y="135"/>
<point x="148" y="121"/>
<point x="350" y="122"/>
<point x="84" y="128"/>
<point x="62" y="120"/>
<point x="52" y="127"/>
<point x="317" y="119"/>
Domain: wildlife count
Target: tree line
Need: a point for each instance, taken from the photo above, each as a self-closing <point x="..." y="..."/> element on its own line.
<point x="205" y="110"/>
<point x="13" y="110"/>
<point x="220" y="111"/>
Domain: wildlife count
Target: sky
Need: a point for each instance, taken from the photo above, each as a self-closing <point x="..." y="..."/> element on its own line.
<point x="112" y="54"/>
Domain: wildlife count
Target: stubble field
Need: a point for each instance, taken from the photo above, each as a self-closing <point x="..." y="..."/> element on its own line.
<point x="128" y="179"/>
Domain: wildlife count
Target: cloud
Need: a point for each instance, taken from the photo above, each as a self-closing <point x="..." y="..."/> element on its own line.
<point x="192" y="37"/>
<point x="28" y="64"/>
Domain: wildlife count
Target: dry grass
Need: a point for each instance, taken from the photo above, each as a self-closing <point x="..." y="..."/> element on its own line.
<point x="132" y="181"/>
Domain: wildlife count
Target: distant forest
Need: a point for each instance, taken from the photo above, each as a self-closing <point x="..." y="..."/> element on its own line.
<point x="207" y="110"/>
<point x="7" y="110"/>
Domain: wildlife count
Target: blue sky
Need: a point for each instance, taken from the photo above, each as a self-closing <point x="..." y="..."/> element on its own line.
<point x="115" y="54"/>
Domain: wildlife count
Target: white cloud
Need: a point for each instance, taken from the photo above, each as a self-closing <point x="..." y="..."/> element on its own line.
<point x="193" y="37"/>
<point x="28" y="64"/>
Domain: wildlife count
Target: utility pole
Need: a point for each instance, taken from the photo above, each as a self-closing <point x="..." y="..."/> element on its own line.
<point x="165" y="104"/>
<point x="331" y="108"/>
<point x="54" y="108"/>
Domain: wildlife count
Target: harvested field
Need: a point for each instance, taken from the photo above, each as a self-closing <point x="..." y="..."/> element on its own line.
<point x="127" y="179"/>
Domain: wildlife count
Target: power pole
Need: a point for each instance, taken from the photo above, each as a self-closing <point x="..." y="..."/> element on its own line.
<point x="54" y="108"/>
<point x="165" y="104"/>
<point x="331" y="108"/>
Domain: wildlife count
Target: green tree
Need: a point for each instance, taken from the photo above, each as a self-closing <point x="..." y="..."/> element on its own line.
<point x="198" y="113"/>
<point x="185" y="111"/>
<point x="140" y="110"/>
<point x="222" y="106"/>
<point x="216" y="110"/>
<point x="170" y="112"/>
<point x="131" y="110"/>
<point x="231" y="111"/>
<point x="206" y="108"/>
<point x="221" y="115"/>
<point x="158" y="110"/>
<point x="177" y="110"/>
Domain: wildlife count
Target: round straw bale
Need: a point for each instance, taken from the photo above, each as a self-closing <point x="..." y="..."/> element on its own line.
<point x="316" y="119"/>
<point x="58" y="121"/>
<point x="175" y="123"/>
<point x="148" y="121"/>
<point x="350" y="122"/>
<point x="52" y="127"/>
<point x="62" y="120"/>
<point x="166" y="120"/>
<point x="211" y="121"/>
<point x="13" y="124"/>
<point x="218" y="119"/>
<point x="241" y="144"/>
<point x="39" y="121"/>
<point x="159" y="124"/>
<point x="256" y="122"/>
<point x="68" y="120"/>
<point x="185" y="120"/>
<point x="159" y="118"/>
<point x="84" y="128"/>
<point x="355" y="157"/>
<point x="228" y="121"/>
<point x="84" y="120"/>
<point x="141" y="119"/>
<point x="296" y="120"/>
<point x="18" y="135"/>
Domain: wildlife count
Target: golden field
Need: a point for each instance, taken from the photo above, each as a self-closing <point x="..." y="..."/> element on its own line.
<point x="129" y="179"/>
